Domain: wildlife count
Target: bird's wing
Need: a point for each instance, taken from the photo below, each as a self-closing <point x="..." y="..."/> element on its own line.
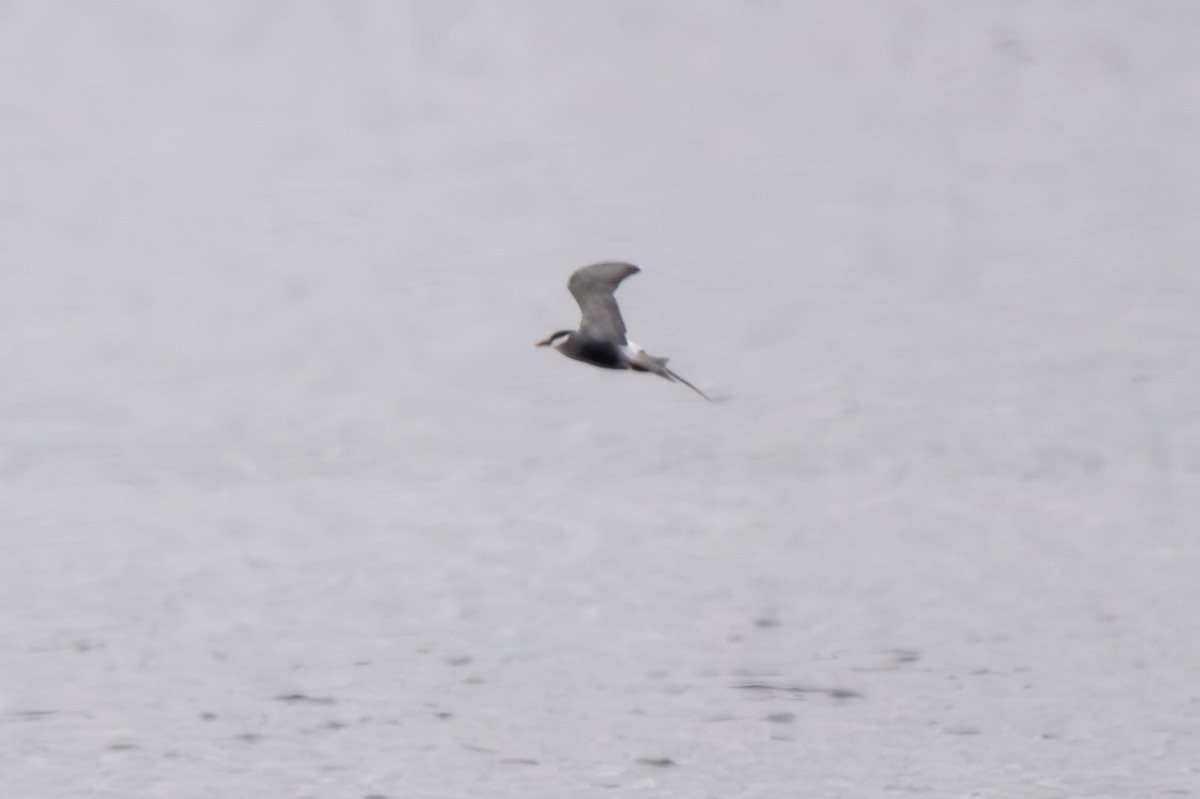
<point x="593" y="287"/>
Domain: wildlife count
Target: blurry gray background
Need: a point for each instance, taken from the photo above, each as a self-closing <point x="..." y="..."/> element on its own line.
<point x="290" y="505"/>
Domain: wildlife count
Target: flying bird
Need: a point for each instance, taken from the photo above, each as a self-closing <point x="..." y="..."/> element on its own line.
<point x="600" y="339"/>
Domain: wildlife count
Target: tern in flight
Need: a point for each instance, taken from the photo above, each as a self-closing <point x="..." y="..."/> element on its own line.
<point x="600" y="339"/>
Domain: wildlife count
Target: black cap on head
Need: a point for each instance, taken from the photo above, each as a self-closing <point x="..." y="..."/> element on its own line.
<point x="554" y="337"/>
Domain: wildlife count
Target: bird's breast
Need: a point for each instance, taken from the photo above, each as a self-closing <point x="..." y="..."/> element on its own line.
<point x="604" y="354"/>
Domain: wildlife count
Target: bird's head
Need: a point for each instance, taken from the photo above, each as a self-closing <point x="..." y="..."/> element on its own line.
<point x="556" y="339"/>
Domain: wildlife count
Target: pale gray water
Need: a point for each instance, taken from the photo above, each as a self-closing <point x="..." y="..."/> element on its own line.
<point x="292" y="507"/>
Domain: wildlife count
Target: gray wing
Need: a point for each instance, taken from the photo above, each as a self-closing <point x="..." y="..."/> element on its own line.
<point x="593" y="287"/>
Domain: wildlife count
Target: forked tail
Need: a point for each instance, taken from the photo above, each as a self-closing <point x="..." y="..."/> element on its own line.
<point x="667" y="373"/>
<point x="643" y="361"/>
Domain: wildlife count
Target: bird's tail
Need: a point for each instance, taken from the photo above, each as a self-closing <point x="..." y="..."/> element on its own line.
<point x="667" y="373"/>
<point x="643" y="361"/>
